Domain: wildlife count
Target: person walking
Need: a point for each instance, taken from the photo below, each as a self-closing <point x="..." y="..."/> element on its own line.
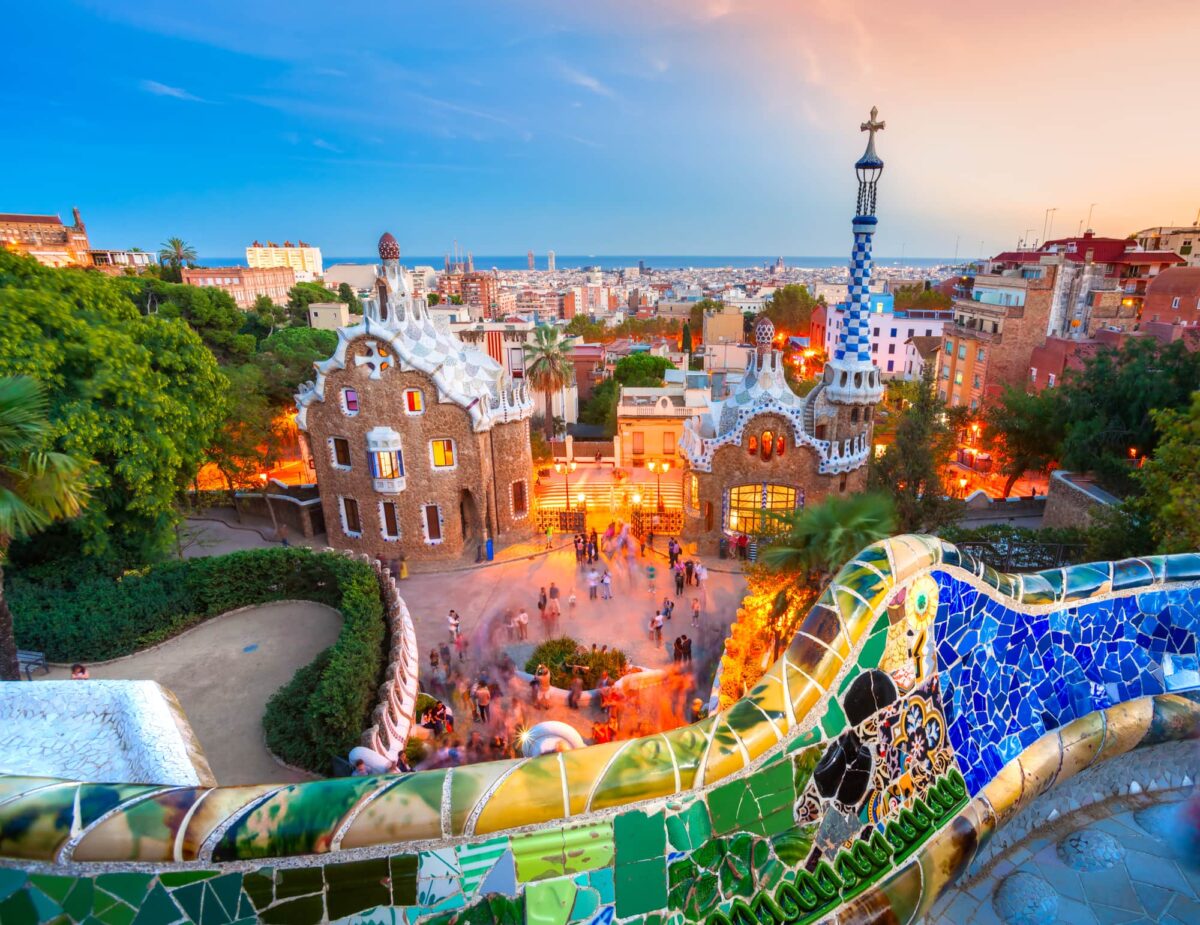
<point x="571" y="604"/>
<point x="510" y="625"/>
<point x="685" y="649"/>
<point x="554" y="591"/>
<point x="483" y="702"/>
<point x="656" y="626"/>
<point x="454" y="622"/>
<point x="593" y="583"/>
<point x="543" y="686"/>
<point x="541" y="602"/>
<point x="690" y="568"/>
<point x="606" y="586"/>
<point x="679" y="579"/>
<point x="576" y="690"/>
<point x="523" y="624"/>
<point x="696" y="612"/>
<point x="677" y="650"/>
<point x="668" y="608"/>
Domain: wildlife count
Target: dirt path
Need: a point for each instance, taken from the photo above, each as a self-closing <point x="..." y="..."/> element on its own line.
<point x="224" y="672"/>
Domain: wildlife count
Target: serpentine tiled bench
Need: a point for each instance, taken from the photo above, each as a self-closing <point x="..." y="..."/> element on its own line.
<point x="924" y="701"/>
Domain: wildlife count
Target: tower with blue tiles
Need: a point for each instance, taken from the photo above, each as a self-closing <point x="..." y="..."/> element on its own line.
<point x="851" y="376"/>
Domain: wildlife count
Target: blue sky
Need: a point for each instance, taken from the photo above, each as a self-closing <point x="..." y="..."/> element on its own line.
<point x="655" y="127"/>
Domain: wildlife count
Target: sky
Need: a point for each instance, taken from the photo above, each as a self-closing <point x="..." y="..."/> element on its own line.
<point x="690" y="127"/>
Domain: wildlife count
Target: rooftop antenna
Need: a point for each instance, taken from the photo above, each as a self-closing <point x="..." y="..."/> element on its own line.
<point x="957" y="238"/>
<point x="1048" y="224"/>
<point x="1089" y="219"/>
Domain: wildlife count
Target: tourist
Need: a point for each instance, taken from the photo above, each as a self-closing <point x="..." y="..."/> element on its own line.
<point x="460" y="645"/>
<point x="578" y="550"/>
<point x="677" y="650"/>
<point x="695" y="612"/>
<point x="576" y="690"/>
<point x="689" y="568"/>
<point x="400" y="764"/>
<point x="606" y="586"/>
<point x="601" y="733"/>
<point x="433" y="659"/>
<point x="444" y="648"/>
<point x="475" y="747"/>
<point x="595" y="545"/>
<point x="593" y="584"/>
<point x="541" y="602"/>
<point x="79" y="673"/>
<point x="455" y="624"/>
<point x="549" y="537"/>
<point x="699" y="711"/>
<point x="649" y="540"/>
<point x="656" y="626"/>
<point x="605" y="680"/>
<point x="360" y="769"/>
<point x="523" y="624"/>
<point x="550" y="620"/>
<point x="554" y="592"/>
<point x="510" y="625"/>
<point x="672" y="552"/>
<point x="668" y="608"/>
<point x="679" y="579"/>
<point x="686" y="650"/>
<point x="571" y="604"/>
<point x="651" y="574"/>
<point x="543" y="685"/>
<point x="483" y="702"/>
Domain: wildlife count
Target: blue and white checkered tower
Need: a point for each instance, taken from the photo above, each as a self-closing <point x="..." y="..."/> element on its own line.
<point x="851" y="376"/>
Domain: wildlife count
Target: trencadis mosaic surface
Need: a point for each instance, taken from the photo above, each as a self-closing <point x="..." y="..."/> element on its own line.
<point x="924" y="701"/>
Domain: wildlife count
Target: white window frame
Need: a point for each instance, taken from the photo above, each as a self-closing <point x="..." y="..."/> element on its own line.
<point x="345" y="404"/>
<point x="346" y="467"/>
<point x="453" y="452"/>
<point x="420" y="392"/>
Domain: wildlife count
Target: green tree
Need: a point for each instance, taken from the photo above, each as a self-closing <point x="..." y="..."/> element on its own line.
<point x="790" y="309"/>
<point x="641" y="370"/>
<point x="346" y="294"/>
<point x="917" y="296"/>
<point x="601" y="407"/>
<point x="456" y="300"/>
<point x="269" y="315"/>
<point x="1170" y="480"/>
<point x="685" y="340"/>
<point x="37" y="487"/>
<point x="139" y="394"/>
<point x="286" y="359"/>
<point x="548" y="367"/>
<point x="815" y="541"/>
<point x="911" y="469"/>
<point x="696" y="313"/>
<point x="173" y="255"/>
<point x="433" y="298"/>
<point x="1108" y="405"/>
<point x="209" y="311"/>
<point x="302" y="295"/>
<point x="1025" y="429"/>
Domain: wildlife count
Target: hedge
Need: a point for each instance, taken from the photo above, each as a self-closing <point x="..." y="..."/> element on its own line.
<point x="562" y="654"/>
<point x="320" y="713"/>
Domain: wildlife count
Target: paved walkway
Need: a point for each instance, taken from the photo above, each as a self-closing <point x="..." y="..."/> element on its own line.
<point x="224" y="671"/>
<point x="1132" y="867"/>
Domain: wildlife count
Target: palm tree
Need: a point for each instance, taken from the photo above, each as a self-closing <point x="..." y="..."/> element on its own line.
<point x="548" y="367"/>
<point x="36" y="487"/>
<point x="175" y="252"/>
<point x="814" y="542"/>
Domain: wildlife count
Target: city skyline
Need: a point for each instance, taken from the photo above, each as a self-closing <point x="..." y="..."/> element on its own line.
<point x="698" y="129"/>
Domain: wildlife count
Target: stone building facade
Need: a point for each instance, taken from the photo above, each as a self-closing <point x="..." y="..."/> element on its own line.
<point x="47" y="239"/>
<point x="764" y="448"/>
<point x="420" y="443"/>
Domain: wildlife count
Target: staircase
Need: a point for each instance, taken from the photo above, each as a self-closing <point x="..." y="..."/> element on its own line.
<point x="609" y="495"/>
<point x="810" y="410"/>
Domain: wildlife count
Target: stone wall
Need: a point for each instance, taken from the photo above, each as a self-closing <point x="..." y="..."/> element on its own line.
<point x="473" y="496"/>
<point x="1073" y="499"/>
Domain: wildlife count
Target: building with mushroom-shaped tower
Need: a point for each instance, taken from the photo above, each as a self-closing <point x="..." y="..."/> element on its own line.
<point x="420" y="442"/>
<point x="765" y="448"/>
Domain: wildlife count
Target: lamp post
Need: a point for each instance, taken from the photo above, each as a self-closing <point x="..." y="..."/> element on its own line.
<point x="565" y="470"/>
<point x="659" y="468"/>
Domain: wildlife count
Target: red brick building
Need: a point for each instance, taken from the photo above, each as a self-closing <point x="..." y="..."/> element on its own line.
<point x="46" y="239"/>
<point x="245" y="284"/>
<point x="478" y="292"/>
<point x="1173" y="297"/>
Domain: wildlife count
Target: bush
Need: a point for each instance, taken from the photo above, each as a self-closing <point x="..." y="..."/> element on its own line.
<point x="562" y="655"/>
<point x="321" y="712"/>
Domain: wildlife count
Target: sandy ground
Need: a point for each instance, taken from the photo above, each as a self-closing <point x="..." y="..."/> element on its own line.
<point x="224" y="672"/>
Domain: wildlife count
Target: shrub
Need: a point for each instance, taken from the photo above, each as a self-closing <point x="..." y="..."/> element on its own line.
<point x="319" y="713"/>
<point x="562" y="655"/>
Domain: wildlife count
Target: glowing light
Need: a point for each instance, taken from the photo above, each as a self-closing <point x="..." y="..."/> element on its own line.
<point x="637" y="499"/>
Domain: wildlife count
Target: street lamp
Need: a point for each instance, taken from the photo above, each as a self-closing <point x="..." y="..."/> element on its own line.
<point x="565" y="470"/>
<point x="962" y="486"/>
<point x="659" y="468"/>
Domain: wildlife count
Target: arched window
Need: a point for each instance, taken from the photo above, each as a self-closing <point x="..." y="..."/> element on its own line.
<point x="767" y="443"/>
<point x="779" y="445"/>
<point x="752" y="445"/>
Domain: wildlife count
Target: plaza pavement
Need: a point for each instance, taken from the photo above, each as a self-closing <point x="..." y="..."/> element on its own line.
<point x="224" y="671"/>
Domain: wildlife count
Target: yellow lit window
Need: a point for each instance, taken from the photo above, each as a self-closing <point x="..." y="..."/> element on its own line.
<point x="443" y="454"/>
<point x="747" y="504"/>
<point x="414" y="401"/>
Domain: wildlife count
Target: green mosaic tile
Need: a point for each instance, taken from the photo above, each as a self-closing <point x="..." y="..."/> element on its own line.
<point x="549" y="902"/>
<point x="356" y="886"/>
<point x="228" y="892"/>
<point x="19" y="909"/>
<point x="690" y="828"/>
<point x="56" y="888"/>
<point x="132" y="888"/>
<point x="587" y="847"/>
<point x="742" y="805"/>
<point x="639" y="837"/>
<point x="79" y="902"/>
<point x="811" y="737"/>
<point x="850" y="676"/>
<point x="10" y="881"/>
<point x="191" y="900"/>
<point x="872" y="650"/>
<point x="834" y="722"/>
<point x="117" y="914"/>
<point x="157" y="908"/>
<point x="587" y="902"/>
<point x="297" y="881"/>
<point x="308" y="910"/>
<point x="173" y="878"/>
<point x="260" y="885"/>
<point x="539" y="855"/>
<point x="404" y="879"/>
<point x="641" y="887"/>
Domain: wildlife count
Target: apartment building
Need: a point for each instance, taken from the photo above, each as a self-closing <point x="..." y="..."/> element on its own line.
<point x="304" y="259"/>
<point x="245" y="284"/>
<point x="890" y="331"/>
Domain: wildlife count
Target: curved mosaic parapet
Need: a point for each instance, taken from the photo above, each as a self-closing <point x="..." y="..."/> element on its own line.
<point x="848" y="780"/>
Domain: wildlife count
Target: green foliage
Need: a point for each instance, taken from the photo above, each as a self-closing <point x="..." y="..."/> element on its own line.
<point x="696" y="313"/>
<point x="1170" y="480"/>
<point x="641" y="370"/>
<point x="208" y="311"/>
<point x="139" y="394"/>
<point x="1024" y="430"/>
<point x="601" y="407"/>
<point x="325" y="707"/>
<point x="562" y="655"/>
<point x="1004" y="534"/>
<point x="302" y="295"/>
<point x="433" y="298"/>
<point x="456" y="300"/>
<point x="791" y="308"/>
<point x="911" y="467"/>
<point x="638" y="329"/>
<point x="268" y="316"/>
<point x="176" y="253"/>
<point x="538" y="447"/>
<point x="916" y="296"/>
<point x="346" y="294"/>
<point x="548" y="367"/>
<point x="286" y="359"/>
<point x="251" y="439"/>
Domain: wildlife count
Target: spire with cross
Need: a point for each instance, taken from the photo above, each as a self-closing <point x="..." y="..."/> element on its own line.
<point x="869" y="166"/>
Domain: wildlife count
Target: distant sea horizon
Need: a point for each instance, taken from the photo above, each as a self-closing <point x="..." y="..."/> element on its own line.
<point x="619" y="261"/>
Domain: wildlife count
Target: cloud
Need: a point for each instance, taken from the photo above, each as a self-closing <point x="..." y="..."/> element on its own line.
<point x="160" y="89"/>
<point x="587" y="81"/>
<point x="326" y="146"/>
